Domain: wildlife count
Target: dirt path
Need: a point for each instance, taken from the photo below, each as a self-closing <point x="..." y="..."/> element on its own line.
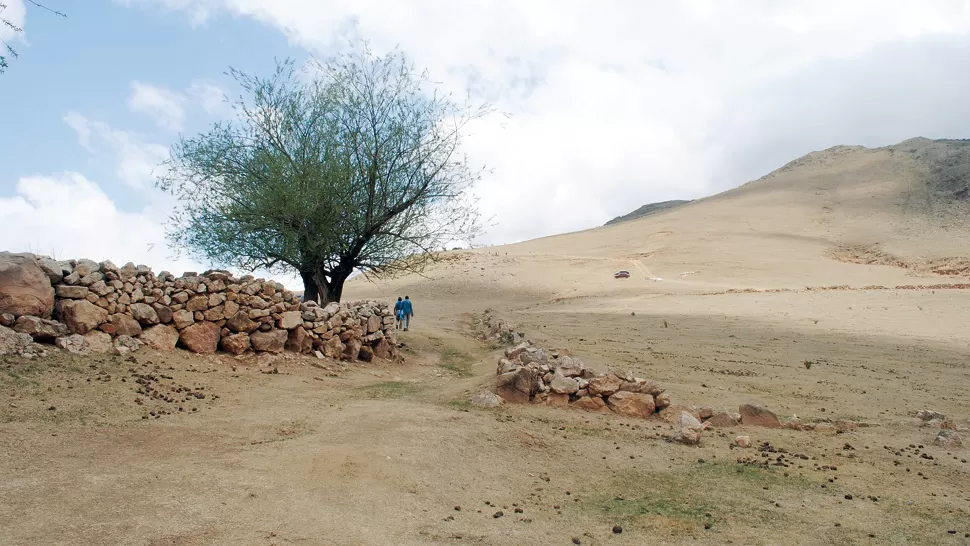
<point x="384" y="453"/>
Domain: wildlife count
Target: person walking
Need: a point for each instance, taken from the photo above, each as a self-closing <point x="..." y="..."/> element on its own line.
<point x="408" y="311"/>
<point x="398" y="313"/>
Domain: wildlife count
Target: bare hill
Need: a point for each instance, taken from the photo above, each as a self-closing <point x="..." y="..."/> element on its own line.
<point x="647" y="210"/>
<point x="848" y="215"/>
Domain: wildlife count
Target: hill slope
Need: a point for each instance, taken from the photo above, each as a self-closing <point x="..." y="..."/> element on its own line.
<point x="647" y="210"/>
<point x="901" y="211"/>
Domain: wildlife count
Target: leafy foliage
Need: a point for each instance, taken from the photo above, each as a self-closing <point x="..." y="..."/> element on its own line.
<point x="347" y="165"/>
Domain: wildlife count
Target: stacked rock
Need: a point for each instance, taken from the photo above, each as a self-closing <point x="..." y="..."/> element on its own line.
<point x="530" y="374"/>
<point x="496" y="329"/>
<point x="100" y="306"/>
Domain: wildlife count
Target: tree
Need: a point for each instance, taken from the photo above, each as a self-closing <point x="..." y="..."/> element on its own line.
<point x="349" y="165"/>
<point x="9" y="51"/>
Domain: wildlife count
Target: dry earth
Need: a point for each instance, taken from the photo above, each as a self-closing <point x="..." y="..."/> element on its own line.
<point x="386" y="453"/>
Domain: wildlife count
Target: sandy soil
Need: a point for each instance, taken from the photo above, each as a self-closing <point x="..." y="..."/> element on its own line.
<point x="386" y="453"/>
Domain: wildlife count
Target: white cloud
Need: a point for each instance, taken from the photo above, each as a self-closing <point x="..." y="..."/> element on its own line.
<point x="164" y="106"/>
<point x="68" y="216"/>
<point x="622" y="102"/>
<point x="211" y="97"/>
<point x="139" y="162"/>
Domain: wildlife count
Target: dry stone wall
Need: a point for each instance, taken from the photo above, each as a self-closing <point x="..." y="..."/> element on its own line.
<point x="85" y="306"/>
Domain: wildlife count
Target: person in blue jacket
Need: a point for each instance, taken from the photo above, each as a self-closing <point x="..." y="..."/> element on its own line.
<point x="398" y="313"/>
<point x="408" y="311"/>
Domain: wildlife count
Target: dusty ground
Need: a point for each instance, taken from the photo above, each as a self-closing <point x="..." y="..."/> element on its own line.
<point x="329" y="453"/>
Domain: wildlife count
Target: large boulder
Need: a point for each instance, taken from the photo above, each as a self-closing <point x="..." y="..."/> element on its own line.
<point x="164" y="313"/>
<point x="299" y="341"/>
<point x="183" y="318"/>
<point x="240" y="322"/>
<point x="724" y="419"/>
<point x="80" y="316"/>
<point x="688" y="430"/>
<point x="290" y="320"/>
<point x="161" y="336"/>
<point x="98" y="342"/>
<point x="382" y="348"/>
<point x="352" y="349"/>
<point x="144" y="314"/>
<point x="69" y="292"/>
<point x="754" y="415"/>
<point x="333" y="348"/>
<point x="605" y="385"/>
<point x="561" y="384"/>
<point x="12" y="343"/>
<point x="631" y="404"/>
<point x="273" y="341"/>
<point x="124" y="325"/>
<point x="24" y="287"/>
<point x="590" y="403"/>
<point x="236" y="344"/>
<point x="40" y="329"/>
<point x="201" y="337"/>
<point x="51" y="268"/>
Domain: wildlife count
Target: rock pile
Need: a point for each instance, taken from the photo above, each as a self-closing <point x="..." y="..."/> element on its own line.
<point x="529" y="374"/>
<point x="498" y="330"/>
<point x="100" y="307"/>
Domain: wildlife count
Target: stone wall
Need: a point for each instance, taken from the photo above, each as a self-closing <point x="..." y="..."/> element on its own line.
<point x="85" y="306"/>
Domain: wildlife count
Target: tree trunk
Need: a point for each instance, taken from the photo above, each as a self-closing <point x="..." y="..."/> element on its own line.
<point x="335" y="287"/>
<point x="311" y="291"/>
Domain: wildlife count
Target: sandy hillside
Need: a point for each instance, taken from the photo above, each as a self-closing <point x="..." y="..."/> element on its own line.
<point x="301" y="451"/>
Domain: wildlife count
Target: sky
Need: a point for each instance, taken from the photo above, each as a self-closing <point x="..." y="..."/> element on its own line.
<point x="607" y="105"/>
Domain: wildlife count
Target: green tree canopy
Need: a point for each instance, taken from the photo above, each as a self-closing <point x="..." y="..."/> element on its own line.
<point x="352" y="164"/>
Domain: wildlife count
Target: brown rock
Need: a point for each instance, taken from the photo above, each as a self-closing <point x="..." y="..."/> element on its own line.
<point x="651" y="387"/>
<point x="161" y="337"/>
<point x="754" y="415"/>
<point x="742" y="441"/>
<point x="561" y="384"/>
<point x="705" y="412"/>
<point x="200" y="337"/>
<point x="164" y="313"/>
<point x="197" y="303"/>
<point x="352" y="349"/>
<point x="80" y="316"/>
<point x="98" y="342"/>
<point x="366" y="353"/>
<point x="144" y="314"/>
<point x="948" y="439"/>
<point x="73" y="344"/>
<point x="182" y="318"/>
<point x="591" y="403"/>
<point x="333" y="348"/>
<point x="605" y="385"/>
<point x="214" y="314"/>
<point x="382" y="349"/>
<point x="230" y="308"/>
<point x="68" y="292"/>
<point x="557" y="400"/>
<point x="40" y="329"/>
<point x="125" y="325"/>
<point x="510" y="394"/>
<point x="671" y="413"/>
<point x="724" y="419"/>
<point x="631" y="404"/>
<point x="240" y="322"/>
<point x="24" y="287"/>
<point x="7" y="319"/>
<point x="661" y="400"/>
<point x="108" y="328"/>
<point x="272" y="341"/>
<point x="689" y="429"/>
<point x="373" y="324"/>
<point x="290" y="320"/>
<point x="487" y="399"/>
<point x="236" y="344"/>
<point x="299" y="341"/>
